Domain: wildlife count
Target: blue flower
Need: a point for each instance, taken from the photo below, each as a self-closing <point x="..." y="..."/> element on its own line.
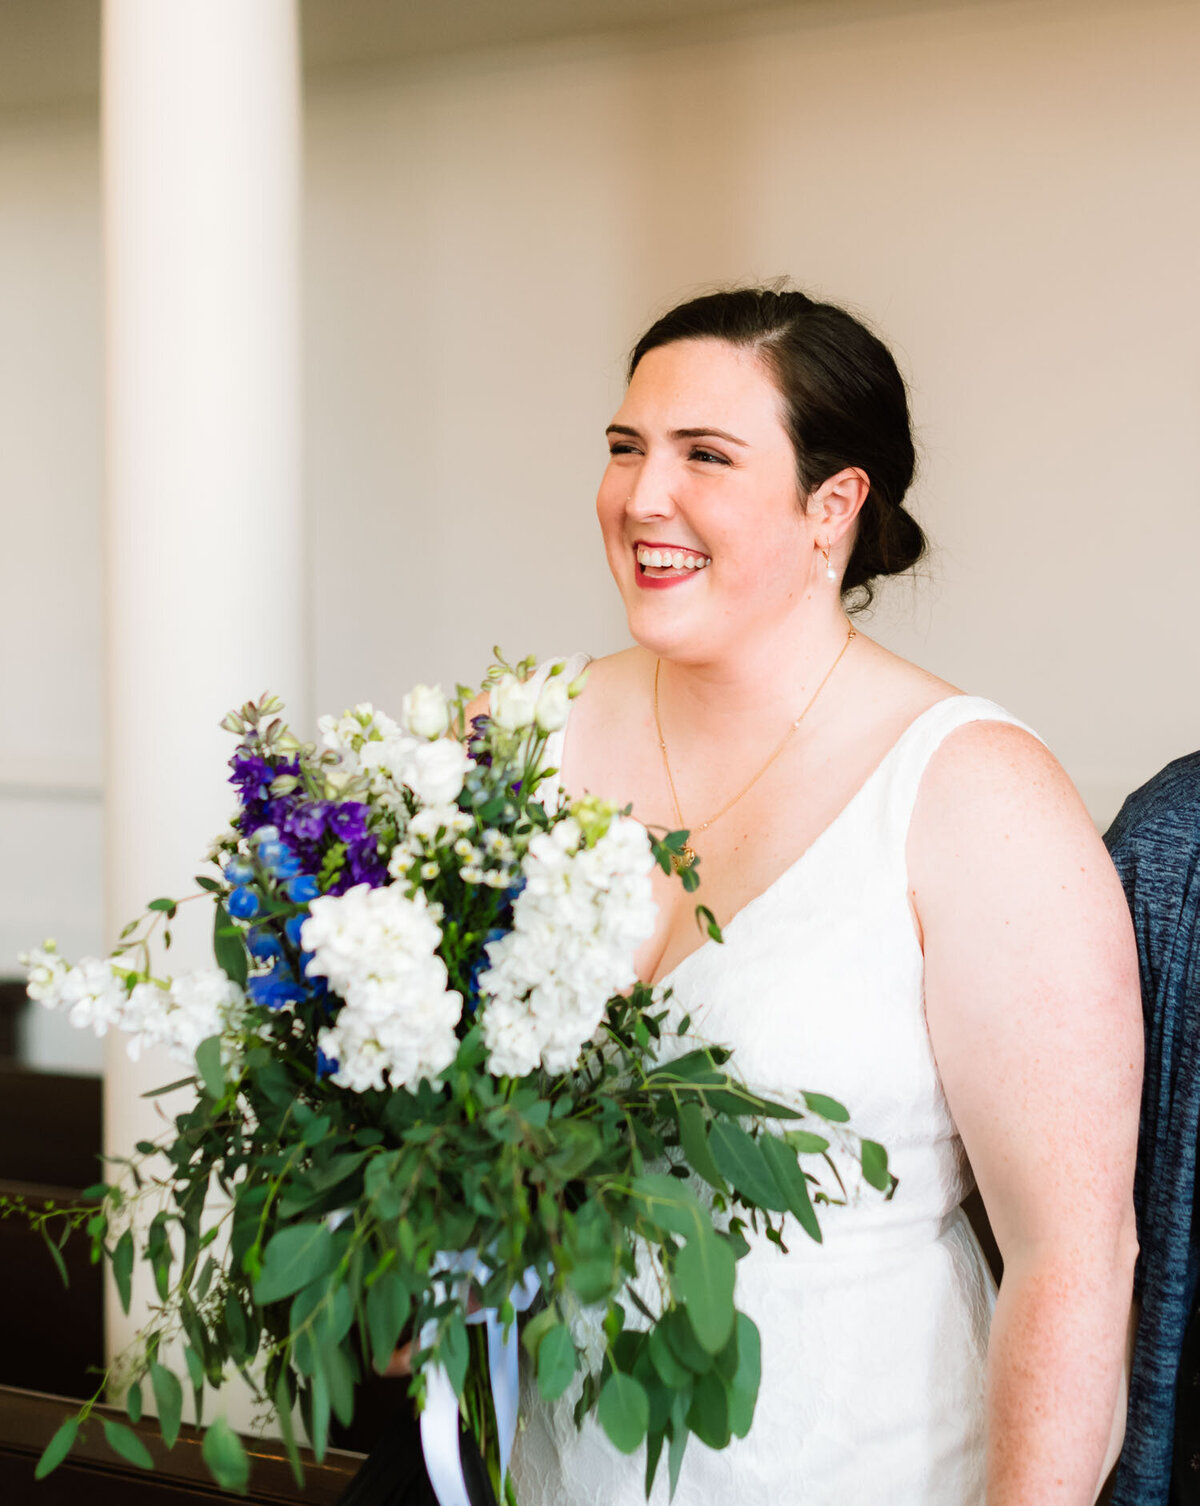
<point x="482" y="963"/>
<point x="239" y="871"/>
<point x="272" y="850"/>
<point x="302" y="889"/>
<point x="292" y="927"/>
<point x="243" y="903"/>
<point x="263" y="943"/>
<point x="275" y="988"/>
<point x="326" y="1065"/>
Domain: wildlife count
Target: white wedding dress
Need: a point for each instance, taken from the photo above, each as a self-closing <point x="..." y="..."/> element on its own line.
<point x="874" y="1343"/>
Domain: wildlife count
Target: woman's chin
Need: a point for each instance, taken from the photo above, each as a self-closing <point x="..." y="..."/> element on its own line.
<point x="665" y="632"/>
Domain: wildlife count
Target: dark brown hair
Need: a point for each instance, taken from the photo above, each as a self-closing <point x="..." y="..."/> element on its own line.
<point x="845" y="401"/>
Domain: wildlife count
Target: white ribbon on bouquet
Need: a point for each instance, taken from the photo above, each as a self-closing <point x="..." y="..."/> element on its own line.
<point x="439" y="1418"/>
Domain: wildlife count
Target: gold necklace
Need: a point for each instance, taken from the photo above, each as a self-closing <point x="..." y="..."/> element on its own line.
<point x="687" y="857"/>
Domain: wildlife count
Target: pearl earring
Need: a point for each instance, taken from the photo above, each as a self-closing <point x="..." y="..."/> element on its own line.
<point x="830" y="572"/>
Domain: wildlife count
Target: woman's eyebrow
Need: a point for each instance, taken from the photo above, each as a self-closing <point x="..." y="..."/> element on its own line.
<point x="681" y="434"/>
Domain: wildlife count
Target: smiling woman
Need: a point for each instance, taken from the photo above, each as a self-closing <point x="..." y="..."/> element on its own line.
<point x="917" y="912"/>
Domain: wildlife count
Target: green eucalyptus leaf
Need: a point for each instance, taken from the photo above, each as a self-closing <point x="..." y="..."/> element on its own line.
<point x="283" y="1410"/>
<point x="57" y="1449"/>
<point x="743" y="1388"/>
<point x="168" y="1398"/>
<point x="694" y="1139"/>
<point x="680" y="1433"/>
<point x="225" y="1456"/>
<point x="792" y="1183"/>
<point x="654" y="1445"/>
<point x="388" y="1307"/>
<point x="208" y="1060"/>
<point x="623" y="1411"/>
<point x="671" y="1204"/>
<point x="685" y="1346"/>
<point x="454" y="1350"/>
<point x="228" y="947"/>
<point x="133" y="1402"/>
<point x="703" y="1280"/>
<point x="555" y="1362"/>
<point x="56" y="1255"/>
<point x="125" y="1441"/>
<point x="805" y="1143"/>
<point x="294" y="1258"/>
<point x="741" y="1162"/>
<point x="122" y="1264"/>
<point x="708" y="1415"/>
<point x="671" y="1369"/>
<point x="828" y="1108"/>
<point x="875" y="1165"/>
<point x="319" y="1415"/>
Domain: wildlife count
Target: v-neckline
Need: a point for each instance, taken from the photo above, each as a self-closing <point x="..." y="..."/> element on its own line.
<point x="799" y="861"/>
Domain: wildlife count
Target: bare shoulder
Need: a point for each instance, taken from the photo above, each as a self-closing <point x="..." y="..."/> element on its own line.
<point x="1000" y="838"/>
<point x="990" y="773"/>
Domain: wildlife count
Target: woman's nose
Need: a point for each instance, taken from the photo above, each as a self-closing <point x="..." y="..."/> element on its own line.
<point x="650" y="494"/>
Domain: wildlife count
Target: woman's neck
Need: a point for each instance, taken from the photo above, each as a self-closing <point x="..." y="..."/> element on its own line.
<point x="748" y="686"/>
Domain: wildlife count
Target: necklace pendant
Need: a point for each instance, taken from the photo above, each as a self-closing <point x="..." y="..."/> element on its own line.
<point x="681" y="861"/>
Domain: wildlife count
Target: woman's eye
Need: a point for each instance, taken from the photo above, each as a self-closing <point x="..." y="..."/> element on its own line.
<point x="709" y="456"/>
<point x="620" y="448"/>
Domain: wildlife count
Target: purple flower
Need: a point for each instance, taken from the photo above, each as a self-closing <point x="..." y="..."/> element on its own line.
<point x="348" y="821"/>
<point x="252" y="775"/>
<point x="308" y="822"/>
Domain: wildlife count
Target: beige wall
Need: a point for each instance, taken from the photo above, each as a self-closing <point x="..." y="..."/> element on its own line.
<point x="1007" y="190"/>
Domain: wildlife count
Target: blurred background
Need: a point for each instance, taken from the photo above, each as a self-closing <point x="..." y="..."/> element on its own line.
<point x="311" y="320"/>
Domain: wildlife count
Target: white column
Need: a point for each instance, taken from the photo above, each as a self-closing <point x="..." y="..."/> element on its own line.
<point x="205" y="582"/>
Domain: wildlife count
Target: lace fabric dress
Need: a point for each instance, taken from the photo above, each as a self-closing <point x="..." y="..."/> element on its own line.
<point x="874" y="1344"/>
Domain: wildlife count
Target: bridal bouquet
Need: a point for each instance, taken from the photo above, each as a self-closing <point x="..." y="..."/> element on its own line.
<point x="432" y="1103"/>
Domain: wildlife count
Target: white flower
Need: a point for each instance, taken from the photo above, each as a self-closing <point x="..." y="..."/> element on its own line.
<point x="378" y="949"/>
<point x="513" y="703"/>
<point x="425" y="711"/>
<point x="435" y="771"/>
<point x="177" y="1017"/>
<point x="348" y="734"/>
<point x="404" y="855"/>
<point x="576" y="926"/>
<point x="551" y="712"/>
<point x="46" y="971"/>
<point x="197" y="1005"/>
<point x="434" y="822"/>
<point x="91" y="994"/>
<point x="429" y="871"/>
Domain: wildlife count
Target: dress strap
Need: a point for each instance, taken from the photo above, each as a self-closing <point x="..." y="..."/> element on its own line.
<point x="905" y="765"/>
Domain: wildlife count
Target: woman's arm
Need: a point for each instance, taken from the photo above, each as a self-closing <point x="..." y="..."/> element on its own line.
<point x="1034" y="1012"/>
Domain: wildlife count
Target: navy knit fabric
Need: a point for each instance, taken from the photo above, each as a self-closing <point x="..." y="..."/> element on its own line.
<point x="1155" y="844"/>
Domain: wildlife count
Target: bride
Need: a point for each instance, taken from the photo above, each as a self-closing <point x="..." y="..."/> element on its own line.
<point x="919" y="919"/>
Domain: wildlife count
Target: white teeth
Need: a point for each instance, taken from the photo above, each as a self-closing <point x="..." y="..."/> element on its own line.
<point x="670" y="559"/>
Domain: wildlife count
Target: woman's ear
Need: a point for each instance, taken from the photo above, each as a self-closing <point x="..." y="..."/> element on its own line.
<point x="837" y="502"/>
